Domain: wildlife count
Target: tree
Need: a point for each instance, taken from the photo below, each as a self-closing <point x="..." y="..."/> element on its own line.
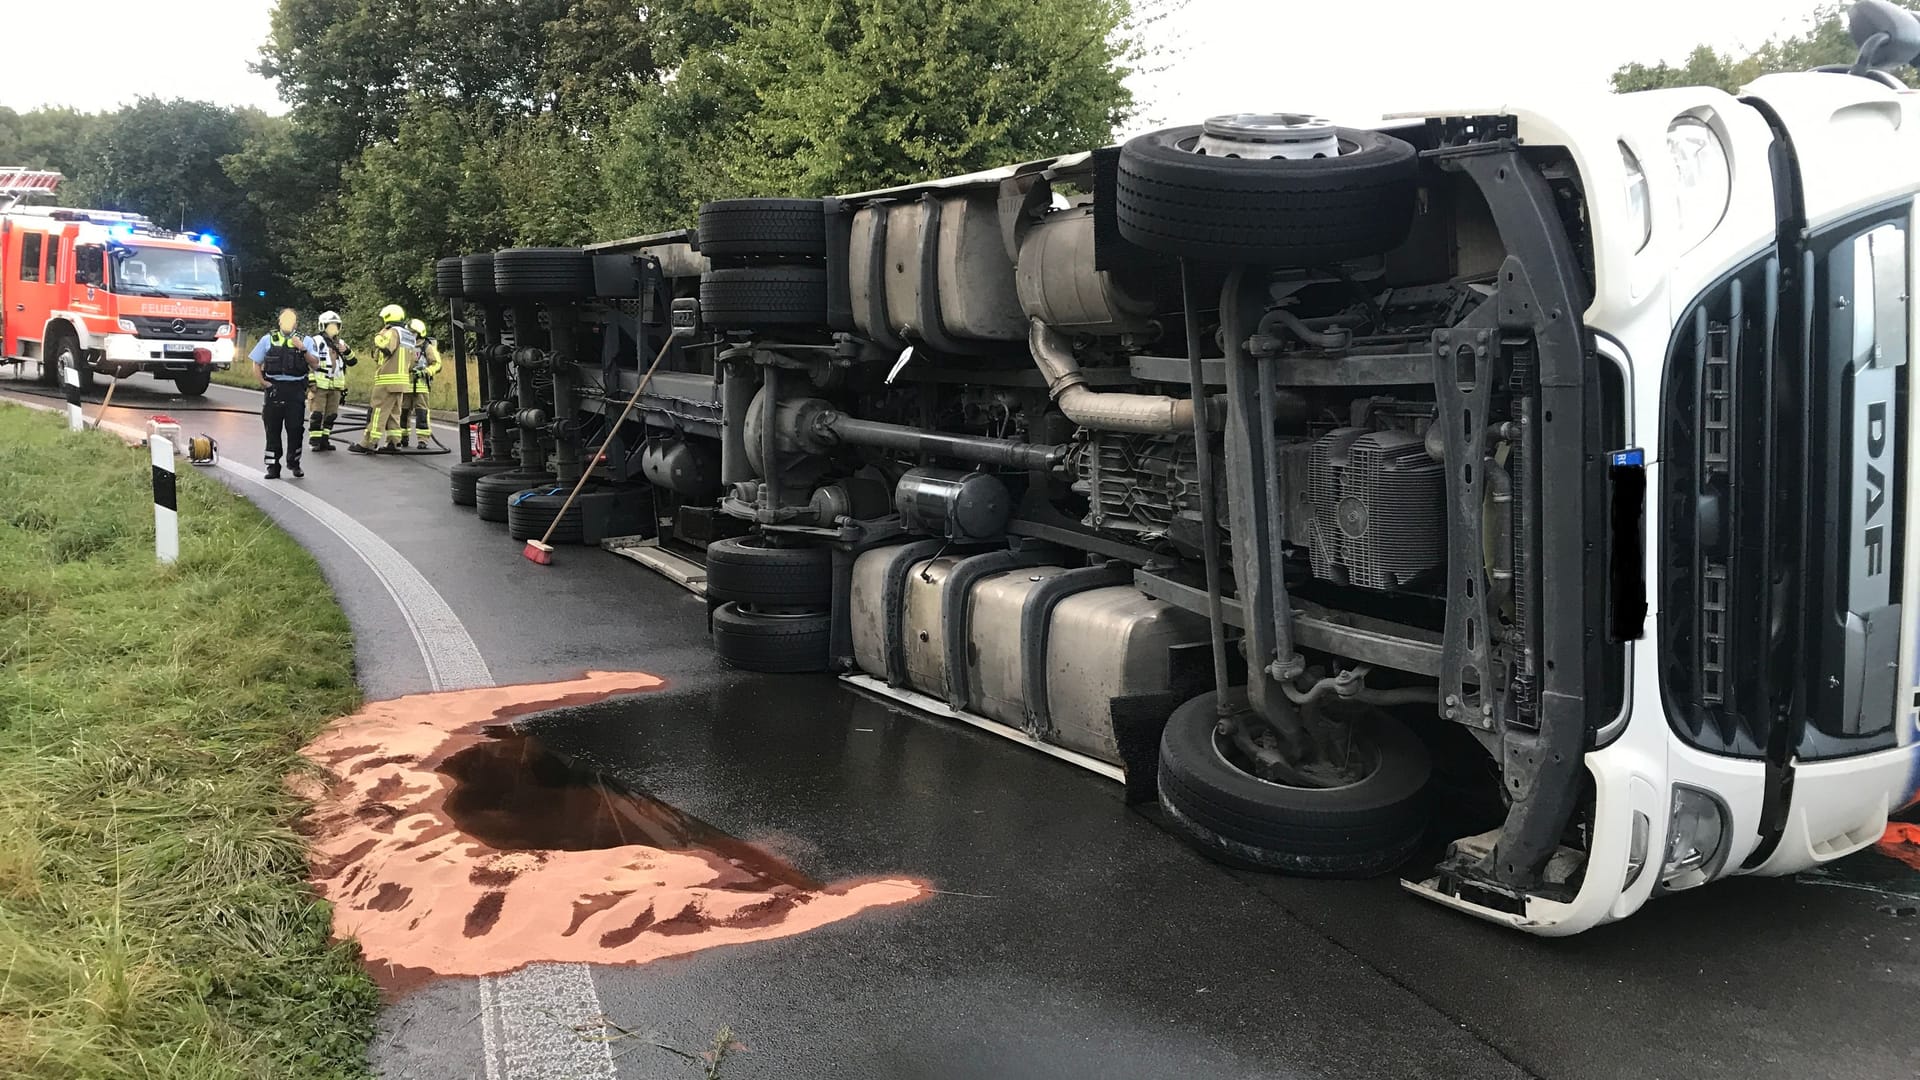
<point x="1824" y="41"/>
<point x="852" y="94"/>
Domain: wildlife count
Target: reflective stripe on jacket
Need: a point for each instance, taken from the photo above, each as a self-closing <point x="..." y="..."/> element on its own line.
<point x="394" y="349"/>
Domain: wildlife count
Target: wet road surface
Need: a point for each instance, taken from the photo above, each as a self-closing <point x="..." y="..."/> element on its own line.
<point x="1071" y="936"/>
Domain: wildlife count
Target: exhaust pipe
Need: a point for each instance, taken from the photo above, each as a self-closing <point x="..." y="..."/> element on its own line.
<point x="1140" y="414"/>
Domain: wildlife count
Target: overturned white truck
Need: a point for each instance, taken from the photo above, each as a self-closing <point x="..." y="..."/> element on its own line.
<point x="1560" y="454"/>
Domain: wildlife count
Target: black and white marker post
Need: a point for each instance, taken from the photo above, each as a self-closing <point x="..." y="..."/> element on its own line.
<point x="76" y="419"/>
<point x="166" y="521"/>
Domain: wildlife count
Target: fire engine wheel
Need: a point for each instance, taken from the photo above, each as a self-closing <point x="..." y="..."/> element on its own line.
<point x="737" y="231"/>
<point x="753" y="572"/>
<point x="193" y="384"/>
<point x="553" y="273"/>
<point x="476" y="277"/>
<point x="1210" y="193"/>
<point x="448" y="278"/>
<point x="66" y="354"/>
<point x="1357" y="830"/>
<point x="490" y="493"/>
<point x="762" y="297"/>
<point x="464" y="476"/>
<point x="776" y="643"/>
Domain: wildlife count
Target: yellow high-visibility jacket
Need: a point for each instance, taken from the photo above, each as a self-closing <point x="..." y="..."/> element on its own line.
<point x="394" y="349"/>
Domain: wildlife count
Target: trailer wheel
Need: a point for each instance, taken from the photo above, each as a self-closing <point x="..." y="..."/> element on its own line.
<point x="476" y="277"/>
<point x="552" y="273"/>
<point x="531" y="512"/>
<point x="464" y="476"/>
<point x="448" y="279"/>
<point x="1359" y="830"/>
<point x="193" y="384"/>
<point x="736" y="231"/>
<point x="764" y="297"/>
<point x="1192" y="192"/>
<point x="490" y="493"/>
<point x="759" y="575"/>
<point x="782" y="644"/>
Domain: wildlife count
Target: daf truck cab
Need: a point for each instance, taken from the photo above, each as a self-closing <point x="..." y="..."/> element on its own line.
<point x="1514" y="498"/>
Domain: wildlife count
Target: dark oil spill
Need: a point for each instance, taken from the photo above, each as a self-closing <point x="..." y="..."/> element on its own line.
<point x="450" y="847"/>
<point x="511" y="793"/>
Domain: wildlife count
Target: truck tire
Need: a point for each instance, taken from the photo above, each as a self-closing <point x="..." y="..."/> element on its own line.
<point x="193" y="384"/>
<point x="550" y="273"/>
<point x="764" y="297"/>
<point x="463" y="477"/>
<point x="1362" y="829"/>
<point x="491" y="492"/>
<point x="778" y="644"/>
<point x="448" y="279"/>
<point x="476" y="277"/>
<point x="738" y="231"/>
<point x="751" y="572"/>
<point x="1265" y="211"/>
<point x="531" y="512"/>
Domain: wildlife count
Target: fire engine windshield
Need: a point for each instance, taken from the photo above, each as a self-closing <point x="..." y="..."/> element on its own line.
<point x="173" y="272"/>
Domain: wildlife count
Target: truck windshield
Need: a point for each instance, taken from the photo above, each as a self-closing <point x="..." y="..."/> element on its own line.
<point x="158" y="271"/>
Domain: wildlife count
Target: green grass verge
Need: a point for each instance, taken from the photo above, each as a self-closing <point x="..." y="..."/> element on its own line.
<point x="154" y="916"/>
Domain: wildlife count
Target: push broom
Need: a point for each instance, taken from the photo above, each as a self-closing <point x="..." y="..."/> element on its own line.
<point x="540" y="551"/>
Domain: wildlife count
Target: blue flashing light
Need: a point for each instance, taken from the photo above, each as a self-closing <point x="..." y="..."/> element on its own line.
<point x="209" y="239"/>
<point x="120" y="231"/>
<point x="262" y="293"/>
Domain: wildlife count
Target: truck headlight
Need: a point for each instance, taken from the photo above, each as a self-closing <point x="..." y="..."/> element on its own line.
<point x="1696" y="840"/>
<point x="127" y="327"/>
<point x="1706" y="179"/>
<point x="1639" y="203"/>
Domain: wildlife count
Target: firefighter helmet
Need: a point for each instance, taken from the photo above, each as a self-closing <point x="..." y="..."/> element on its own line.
<point x="329" y="318"/>
<point x="418" y="326"/>
<point x="393" y="313"/>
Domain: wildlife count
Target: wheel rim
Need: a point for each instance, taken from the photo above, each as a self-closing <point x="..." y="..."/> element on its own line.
<point x="1289" y="136"/>
<point x="1234" y="758"/>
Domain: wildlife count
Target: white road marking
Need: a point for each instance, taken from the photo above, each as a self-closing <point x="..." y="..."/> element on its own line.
<point x="453" y="661"/>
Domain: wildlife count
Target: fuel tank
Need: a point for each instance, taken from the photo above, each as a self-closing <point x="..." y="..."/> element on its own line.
<point x="1098" y="645"/>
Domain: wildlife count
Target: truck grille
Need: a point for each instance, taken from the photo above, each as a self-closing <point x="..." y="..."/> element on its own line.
<point x="175" y="329"/>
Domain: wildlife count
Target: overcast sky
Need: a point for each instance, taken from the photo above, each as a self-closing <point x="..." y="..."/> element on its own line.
<point x="1344" y="59"/>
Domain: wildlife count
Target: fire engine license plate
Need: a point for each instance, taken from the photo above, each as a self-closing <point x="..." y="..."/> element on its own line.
<point x="183" y="351"/>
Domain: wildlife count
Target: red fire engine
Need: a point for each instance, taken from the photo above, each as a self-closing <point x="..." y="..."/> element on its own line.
<point x="109" y="292"/>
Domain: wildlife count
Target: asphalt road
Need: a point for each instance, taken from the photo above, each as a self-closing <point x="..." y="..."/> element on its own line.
<point x="1072" y="936"/>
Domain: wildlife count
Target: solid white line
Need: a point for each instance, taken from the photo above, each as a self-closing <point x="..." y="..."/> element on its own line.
<point x="453" y="661"/>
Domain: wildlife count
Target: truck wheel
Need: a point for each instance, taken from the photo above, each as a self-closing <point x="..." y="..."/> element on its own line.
<point x="490" y="493"/>
<point x="476" y="277"/>
<point x="781" y="644"/>
<point x="759" y="575"/>
<point x="1202" y="193"/>
<point x="733" y="231"/>
<point x="1359" y="830"/>
<point x="552" y="273"/>
<point x="531" y="512"/>
<point x="464" y="476"/>
<point x="764" y="297"/>
<point x="193" y="384"/>
<point x="447" y="279"/>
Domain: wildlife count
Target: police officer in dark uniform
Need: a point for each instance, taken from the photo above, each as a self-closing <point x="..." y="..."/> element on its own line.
<point x="282" y="361"/>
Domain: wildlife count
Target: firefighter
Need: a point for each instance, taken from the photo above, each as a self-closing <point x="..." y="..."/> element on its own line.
<point x="282" y="363"/>
<point x="394" y="351"/>
<point x="425" y="367"/>
<point x="329" y="381"/>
